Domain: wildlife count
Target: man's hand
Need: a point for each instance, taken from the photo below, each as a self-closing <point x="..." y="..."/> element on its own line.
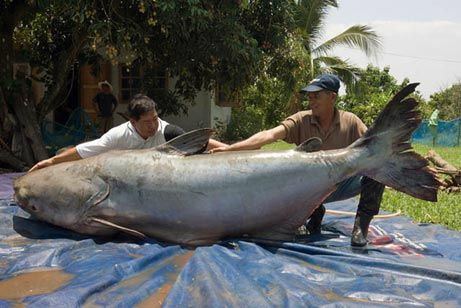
<point x="42" y="164"/>
<point x="255" y="142"/>
<point x="70" y="154"/>
<point x="219" y="149"/>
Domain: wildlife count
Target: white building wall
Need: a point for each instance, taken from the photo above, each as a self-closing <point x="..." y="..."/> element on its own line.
<point x="219" y="115"/>
<point x="198" y="114"/>
<point x="202" y="113"/>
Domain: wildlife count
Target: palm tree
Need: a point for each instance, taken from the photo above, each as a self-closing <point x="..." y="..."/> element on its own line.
<point x="310" y="16"/>
<point x="308" y="56"/>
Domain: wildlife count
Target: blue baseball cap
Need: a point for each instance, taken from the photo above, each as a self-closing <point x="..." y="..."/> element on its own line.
<point x="323" y="82"/>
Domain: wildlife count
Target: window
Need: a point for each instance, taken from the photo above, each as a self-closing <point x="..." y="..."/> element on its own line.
<point x="130" y="81"/>
<point x="136" y="79"/>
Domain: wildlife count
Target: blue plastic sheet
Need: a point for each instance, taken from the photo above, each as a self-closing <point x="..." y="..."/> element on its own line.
<point x="406" y="264"/>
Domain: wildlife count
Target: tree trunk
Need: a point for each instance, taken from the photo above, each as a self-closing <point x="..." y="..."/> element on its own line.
<point x="6" y="126"/>
<point x="23" y="127"/>
<point x="25" y="112"/>
<point x="444" y="166"/>
<point x="55" y="96"/>
<point x="24" y="120"/>
<point x="20" y="147"/>
<point x="6" y="70"/>
<point x="439" y="161"/>
<point x="6" y="157"/>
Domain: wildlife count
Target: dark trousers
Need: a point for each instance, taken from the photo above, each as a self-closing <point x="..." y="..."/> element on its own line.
<point x="370" y="193"/>
<point x="106" y="123"/>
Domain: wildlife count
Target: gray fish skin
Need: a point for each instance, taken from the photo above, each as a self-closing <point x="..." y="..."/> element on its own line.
<point x="199" y="199"/>
<point x="186" y="198"/>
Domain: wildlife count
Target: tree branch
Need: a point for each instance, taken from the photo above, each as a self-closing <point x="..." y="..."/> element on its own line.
<point x="52" y="99"/>
<point x="8" y="158"/>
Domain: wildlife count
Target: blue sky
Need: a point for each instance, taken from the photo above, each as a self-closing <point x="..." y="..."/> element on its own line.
<point x="421" y="39"/>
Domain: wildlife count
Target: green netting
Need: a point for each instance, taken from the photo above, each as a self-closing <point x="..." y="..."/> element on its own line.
<point x="78" y="128"/>
<point x="445" y="133"/>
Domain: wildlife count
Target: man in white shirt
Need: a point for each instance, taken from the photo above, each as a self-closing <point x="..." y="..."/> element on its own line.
<point x="144" y="130"/>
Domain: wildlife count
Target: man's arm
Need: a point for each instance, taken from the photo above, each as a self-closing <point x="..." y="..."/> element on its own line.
<point x="95" y="104"/>
<point x="68" y="155"/>
<point x="213" y="144"/>
<point x="256" y="141"/>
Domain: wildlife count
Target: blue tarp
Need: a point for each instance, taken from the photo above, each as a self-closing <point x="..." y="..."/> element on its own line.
<point x="406" y="264"/>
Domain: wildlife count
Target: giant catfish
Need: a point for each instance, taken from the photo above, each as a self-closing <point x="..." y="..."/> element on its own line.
<point x="168" y="194"/>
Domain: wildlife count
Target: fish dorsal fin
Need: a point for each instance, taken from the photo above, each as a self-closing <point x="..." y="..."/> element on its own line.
<point x="193" y="142"/>
<point x="310" y="145"/>
<point x="118" y="227"/>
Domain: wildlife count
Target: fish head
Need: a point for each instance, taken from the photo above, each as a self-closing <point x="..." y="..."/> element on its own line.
<point x="58" y="196"/>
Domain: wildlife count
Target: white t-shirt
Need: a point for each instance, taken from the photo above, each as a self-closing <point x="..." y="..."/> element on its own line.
<point x="122" y="137"/>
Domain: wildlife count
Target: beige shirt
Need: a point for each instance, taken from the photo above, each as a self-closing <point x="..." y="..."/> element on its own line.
<point x="345" y="129"/>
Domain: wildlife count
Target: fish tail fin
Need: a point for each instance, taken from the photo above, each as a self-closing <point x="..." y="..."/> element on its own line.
<point x="390" y="159"/>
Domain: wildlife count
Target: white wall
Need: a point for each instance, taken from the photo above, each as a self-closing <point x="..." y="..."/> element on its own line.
<point x="198" y="114"/>
<point x="219" y="115"/>
<point x="202" y="113"/>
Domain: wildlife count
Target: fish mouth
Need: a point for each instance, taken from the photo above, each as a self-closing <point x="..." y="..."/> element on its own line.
<point x="24" y="204"/>
<point x="21" y="202"/>
<point x="18" y="196"/>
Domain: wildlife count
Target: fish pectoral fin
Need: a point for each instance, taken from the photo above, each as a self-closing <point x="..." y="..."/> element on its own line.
<point x="102" y="191"/>
<point x="310" y="145"/>
<point x="282" y="233"/>
<point x="118" y="227"/>
<point x="193" y="142"/>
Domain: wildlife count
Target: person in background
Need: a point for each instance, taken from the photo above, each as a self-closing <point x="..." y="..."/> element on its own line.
<point x="432" y="124"/>
<point x="105" y="104"/>
<point x="337" y="129"/>
<point x="144" y="130"/>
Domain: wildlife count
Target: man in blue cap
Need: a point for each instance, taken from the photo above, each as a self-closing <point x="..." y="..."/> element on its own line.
<point x="337" y="129"/>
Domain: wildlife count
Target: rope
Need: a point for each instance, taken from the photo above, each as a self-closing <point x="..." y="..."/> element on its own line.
<point x="333" y="212"/>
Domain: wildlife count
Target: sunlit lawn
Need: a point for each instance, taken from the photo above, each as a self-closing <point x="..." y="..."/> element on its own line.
<point x="446" y="211"/>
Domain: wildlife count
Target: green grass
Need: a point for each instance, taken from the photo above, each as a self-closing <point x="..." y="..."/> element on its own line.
<point x="279" y="145"/>
<point x="446" y="211"/>
<point x="450" y="154"/>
